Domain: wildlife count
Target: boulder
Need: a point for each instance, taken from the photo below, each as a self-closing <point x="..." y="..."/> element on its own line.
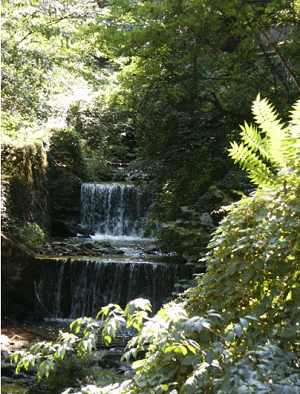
<point x="151" y="250"/>
<point x="84" y="230"/>
<point x="206" y="220"/>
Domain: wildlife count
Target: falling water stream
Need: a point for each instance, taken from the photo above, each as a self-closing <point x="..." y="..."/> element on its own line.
<point x="79" y="286"/>
<point x="114" y="209"/>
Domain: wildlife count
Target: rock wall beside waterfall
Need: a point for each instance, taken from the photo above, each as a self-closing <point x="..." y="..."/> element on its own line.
<point x="18" y="275"/>
<point x="24" y="199"/>
<point x="65" y="174"/>
<point x="24" y="183"/>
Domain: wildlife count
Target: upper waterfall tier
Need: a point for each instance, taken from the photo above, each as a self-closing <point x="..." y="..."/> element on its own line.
<point x="113" y="209"/>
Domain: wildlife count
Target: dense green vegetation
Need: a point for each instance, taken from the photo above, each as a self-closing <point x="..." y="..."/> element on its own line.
<point x="154" y="92"/>
<point x="165" y="86"/>
<point x="188" y="74"/>
<point x="238" y="329"/>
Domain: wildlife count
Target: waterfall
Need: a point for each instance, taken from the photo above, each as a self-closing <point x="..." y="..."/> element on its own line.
<point x="113" y="209"/>
<point x="69" y="289"/>
<point x="73" y="287"/>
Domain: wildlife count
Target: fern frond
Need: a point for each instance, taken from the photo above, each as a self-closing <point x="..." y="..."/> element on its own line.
<point x="269" y="156"/>
<point x="292" y="139"/>
<point x="267" y="119"/>
<point x="254" y="141"/>
<point x="258" y="171"/>
<point x="238" y="153"/>
<point x="295" y="114"/>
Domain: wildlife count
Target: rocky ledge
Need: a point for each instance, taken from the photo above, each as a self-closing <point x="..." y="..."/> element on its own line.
<point x="78" y="248"/>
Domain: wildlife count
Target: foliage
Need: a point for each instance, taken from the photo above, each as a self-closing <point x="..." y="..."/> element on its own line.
<point x="168" y="74"/>
<point x="237" y="331"/>
<point x="48" y="355"/>
<point x="32" y="235"/>
<point x="105" y="136"/>
<point x="189" y="234"/>
<point x="65" y="150"/>
<point x="254" y="254"/>
<point x="47" y="358"/>
<point x="39" y="45"/>
<point x="179" y="67"/>
<point x="172" y="351"/>
<point x="261" y="156"/>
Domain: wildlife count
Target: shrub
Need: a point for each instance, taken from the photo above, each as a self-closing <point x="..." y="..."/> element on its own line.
<point x="32" y="235"/>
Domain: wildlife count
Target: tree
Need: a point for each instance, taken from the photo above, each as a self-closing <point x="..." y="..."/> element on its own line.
<point x="181" y="65"/>
<point x="40" y="43"/>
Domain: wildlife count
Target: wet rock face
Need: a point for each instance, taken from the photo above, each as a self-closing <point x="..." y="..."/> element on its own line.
<point x="84" y="231"/>
<point x="75" y="247"/>
<point x="24" y="186"/>
<point x="65" y="172"/>
<point x="62" y="229"/>
<point x="18" y="274"/>
<point x="64" y="190"/>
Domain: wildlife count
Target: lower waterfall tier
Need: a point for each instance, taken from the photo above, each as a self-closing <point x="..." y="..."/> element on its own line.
<point x="73" y="288"/>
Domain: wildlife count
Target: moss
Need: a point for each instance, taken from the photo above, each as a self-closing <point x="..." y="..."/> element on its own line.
<point x="26" y="196"/>
<point x="32" y="235"/>
<point x="14" y="388"/>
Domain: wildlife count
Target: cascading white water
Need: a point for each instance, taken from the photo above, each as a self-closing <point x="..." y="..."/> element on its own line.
<point x="113" y="209"/>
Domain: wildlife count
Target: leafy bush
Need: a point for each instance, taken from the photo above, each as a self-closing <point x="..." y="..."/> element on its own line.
<point x="254" y="254"/>
<point x="65" y="150"/>
<point x="271" y="147"/>
<point x="187" y="230"/>
<point x="32" y="235"/>
<point x="172" y="352"/>
<point x="105" y="135"/>
<point x="187" y="235"/>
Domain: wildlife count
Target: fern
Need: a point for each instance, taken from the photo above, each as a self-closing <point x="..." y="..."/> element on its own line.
<point x="267" y="119"/>
<point x="292" y="139"/>
<point x="270" y="147"/>
<point x="253" y="139"/>
<point x="258" y="171"/>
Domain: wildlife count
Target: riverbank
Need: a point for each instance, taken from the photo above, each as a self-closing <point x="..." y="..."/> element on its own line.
<point x="18" y="336"/>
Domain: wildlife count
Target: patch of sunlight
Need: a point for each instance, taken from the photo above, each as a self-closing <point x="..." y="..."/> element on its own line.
<point x="69" y="89"/>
